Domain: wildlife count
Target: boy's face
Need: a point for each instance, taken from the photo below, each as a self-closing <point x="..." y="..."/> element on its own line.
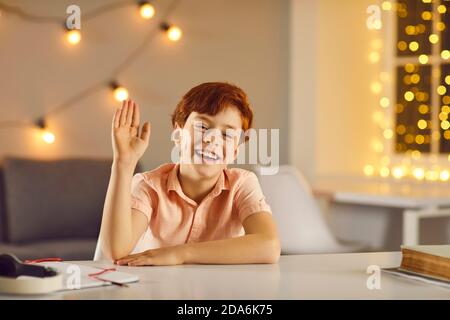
<point x="209" y="142"/>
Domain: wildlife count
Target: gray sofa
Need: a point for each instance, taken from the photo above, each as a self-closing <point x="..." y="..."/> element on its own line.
<point x="52" y="208"/>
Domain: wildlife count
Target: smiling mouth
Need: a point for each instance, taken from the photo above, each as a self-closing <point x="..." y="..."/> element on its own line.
<point x="211" y="156"/>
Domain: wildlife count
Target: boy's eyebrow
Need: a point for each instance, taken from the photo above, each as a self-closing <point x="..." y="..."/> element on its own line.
<point x="202" y="117"/>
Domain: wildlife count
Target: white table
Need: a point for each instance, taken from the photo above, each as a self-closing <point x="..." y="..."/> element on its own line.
<point x="419" y="200"/>
<point x="327" y="276"/>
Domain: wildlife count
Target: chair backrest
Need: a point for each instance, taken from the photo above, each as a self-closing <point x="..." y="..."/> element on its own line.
<point x="301" y="225"/>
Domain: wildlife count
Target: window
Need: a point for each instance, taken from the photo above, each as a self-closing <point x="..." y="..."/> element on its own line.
<point x="422" y="68"/>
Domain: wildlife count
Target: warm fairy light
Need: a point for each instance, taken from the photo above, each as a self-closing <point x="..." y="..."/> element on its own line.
<point x="422" y="124"/>
<point x="423" y="59"/>
<point x="120" y="93"/>
<point x="445" y="54"/>
<point x="415" y="78"/>
<point x="423" y="109"/>
<point x="447" y="80"/>
<point x="377" y="146"/>
<point x="146" y="10"/>
<point x="444" y="175"/>
<point x="445" y="124"/>
<point x="409" y="67"/>
<point x="418" y="173"/>
<point x="398" y="172"/>
<point x="409" y="96"/>
<point x="73" y="36"/>
<point x="384" y="102"/>
<point x="374" y="57"/>
<point x="441" y="90"/>
<point x="173" y="32"/>
<point x="415" y="154"/>
<point x="376" y="87"/>
<point x="48" y="137"/>
<point x="420" y="139"/>
<point x="426" y="15"/>
<point x="384" y="172"/>
<point x="386" y="5"/>
<point x="440" y="26"/>
<point x="401" y="45"/>
<point x="442" y="8"/>
<point x="388" y="133"/>
<point x="434" y="38"/>
<point x="432" y="175"/>
<point x="369" y="170"/>
<point x="426" y="1"/>
<point x="413" y="46"/>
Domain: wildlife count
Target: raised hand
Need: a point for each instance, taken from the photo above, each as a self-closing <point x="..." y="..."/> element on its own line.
<point x="128" y="143"/>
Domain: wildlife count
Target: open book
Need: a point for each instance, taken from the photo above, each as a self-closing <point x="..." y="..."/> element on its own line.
<point x="425" y="263"/>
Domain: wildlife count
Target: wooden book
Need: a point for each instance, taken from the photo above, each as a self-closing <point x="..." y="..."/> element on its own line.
<point x="429" y="261"/>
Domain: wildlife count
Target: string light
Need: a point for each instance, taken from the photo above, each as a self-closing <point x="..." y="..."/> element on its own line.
<point x="369" y="170"/>
<point x="423" y="59"/>
<point x="146" y="10"/>
<point x="173" y="32"/>
<point x="73" y="36"/>
<point x="46" y="135"/>
<point x="120" y="93"/>
<point x="445" y="54"/>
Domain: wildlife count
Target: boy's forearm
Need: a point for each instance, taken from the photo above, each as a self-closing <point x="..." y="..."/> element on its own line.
<point x="116" y="229"/>
<point x="251" y="248"/>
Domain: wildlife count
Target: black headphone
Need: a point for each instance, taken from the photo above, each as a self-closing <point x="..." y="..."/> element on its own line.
<point x="11" y="266"/>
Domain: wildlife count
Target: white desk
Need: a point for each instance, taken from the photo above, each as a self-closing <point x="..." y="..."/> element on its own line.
<point x="328" y="276"/>
<point x="419" y="200"/>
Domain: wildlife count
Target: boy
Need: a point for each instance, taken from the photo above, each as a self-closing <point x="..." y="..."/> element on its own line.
<point x="196" y="210"/>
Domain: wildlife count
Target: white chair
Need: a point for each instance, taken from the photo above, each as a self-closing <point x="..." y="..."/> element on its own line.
<point x="302" y="227"/>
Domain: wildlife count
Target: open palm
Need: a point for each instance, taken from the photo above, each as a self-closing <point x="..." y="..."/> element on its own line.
<point x="128" y="143"/>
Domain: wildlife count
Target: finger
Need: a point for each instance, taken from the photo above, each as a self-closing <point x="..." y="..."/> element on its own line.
<point x="116" y="118"/>
<point x="123" y="113"/>
<point x="130" y="113"/>
<point x="130" y="257"/>
<point x="136" y="115"/>
<point x="144" y="261"/>
<point x="145" y="134"/>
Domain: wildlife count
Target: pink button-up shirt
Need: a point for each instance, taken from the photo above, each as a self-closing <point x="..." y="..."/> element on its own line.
<point x="173" y="218"/>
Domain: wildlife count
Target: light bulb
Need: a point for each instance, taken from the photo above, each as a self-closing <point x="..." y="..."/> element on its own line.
<point x="48" y="137"/>
<point x="73" y="36"/>
<point x="173" y="32"/>
<point x="120" y="93"/>
<point x="146" y="10"/>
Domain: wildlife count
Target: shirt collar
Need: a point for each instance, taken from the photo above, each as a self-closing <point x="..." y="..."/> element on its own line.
<point x="174" y="184"/>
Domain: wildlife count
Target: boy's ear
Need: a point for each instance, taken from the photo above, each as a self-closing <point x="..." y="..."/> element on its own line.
<point x="177" y="134"/>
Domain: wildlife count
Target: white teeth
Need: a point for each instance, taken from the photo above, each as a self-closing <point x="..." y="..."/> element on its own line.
<point x="208" y="155"/>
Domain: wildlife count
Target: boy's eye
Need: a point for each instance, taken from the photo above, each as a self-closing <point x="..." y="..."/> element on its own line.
<point x="228" y="136"/>
<point x="200" y="126"/>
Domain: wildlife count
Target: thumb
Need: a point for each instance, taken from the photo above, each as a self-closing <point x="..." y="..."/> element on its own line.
<point x="145" y="134"/>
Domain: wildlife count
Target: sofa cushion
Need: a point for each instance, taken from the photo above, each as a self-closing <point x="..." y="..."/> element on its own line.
<point x="74" y="249"/>
<point x="54" y="199"/>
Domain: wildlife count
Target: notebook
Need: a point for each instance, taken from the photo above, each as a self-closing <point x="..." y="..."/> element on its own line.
<point x="79" y="276"/>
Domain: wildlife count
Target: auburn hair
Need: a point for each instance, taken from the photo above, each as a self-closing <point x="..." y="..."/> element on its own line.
<point x="211" y="98"/>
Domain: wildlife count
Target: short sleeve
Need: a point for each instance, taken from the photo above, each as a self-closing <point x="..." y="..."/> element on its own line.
<point x="249" y="198"/>
<point x="140" y="196"/>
